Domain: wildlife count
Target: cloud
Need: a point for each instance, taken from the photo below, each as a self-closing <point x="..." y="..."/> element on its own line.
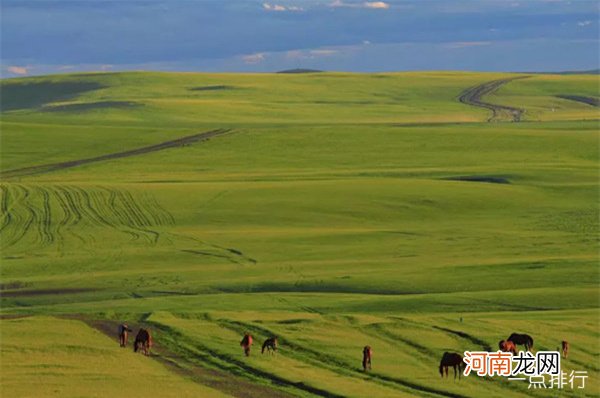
<point x="584" y="23"/>
<point x="366" y="4"/>
<point x="323" y="53"/>
<point x="466" y="44"/>
<point x="310" y="54"/>
<point x="279" y="7"/>
<point x="18" y="70"/>
<point x="253" y="58"/>
<point x="376" y="4"/>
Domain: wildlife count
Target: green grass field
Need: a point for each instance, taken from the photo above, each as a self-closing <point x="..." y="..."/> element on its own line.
<point x="339" y="210"/>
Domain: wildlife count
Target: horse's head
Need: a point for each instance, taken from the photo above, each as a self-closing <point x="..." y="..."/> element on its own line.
<point x="502" y="345"/>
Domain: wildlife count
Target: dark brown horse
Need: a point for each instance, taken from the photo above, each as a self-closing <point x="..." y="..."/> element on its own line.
<point x="367" y="355"/>
<point x="246" y="343"/>
<point x="124" y="334"/>
<point x="522" y="339"/>
<point x="507" y="346"/>
<point x="451" y="359"/>
<point x="143" y="341"/>
<point x="270" y="345"/>
<point x="565" y="348"/>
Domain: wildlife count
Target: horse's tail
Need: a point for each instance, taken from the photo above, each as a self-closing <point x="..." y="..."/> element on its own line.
<point x="442" y="368"/>
<point x="135" y="345"/>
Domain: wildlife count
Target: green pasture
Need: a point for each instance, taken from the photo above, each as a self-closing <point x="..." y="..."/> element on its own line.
<point x="340" y="210"/>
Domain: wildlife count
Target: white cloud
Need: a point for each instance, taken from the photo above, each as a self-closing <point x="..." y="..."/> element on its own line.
<point x="376" y="4"/>
<point x="466" y="44"/>
<point x="18" y="70"/>
<point x="584" y="23"/>
<point x="322" y="53"/>
<point x="253" y="58"/>
<point x="310" y="54"/>
<point x="279" y="7"/>
<point x="366" y="4"/>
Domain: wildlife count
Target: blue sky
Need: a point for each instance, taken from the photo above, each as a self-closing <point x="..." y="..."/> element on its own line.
<point x="49" y="36"/>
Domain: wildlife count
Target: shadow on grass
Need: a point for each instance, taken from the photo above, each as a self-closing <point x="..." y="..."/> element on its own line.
<point x="16" y="96"/>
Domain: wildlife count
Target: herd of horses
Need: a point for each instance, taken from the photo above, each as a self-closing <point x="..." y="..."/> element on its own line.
<point x="143" y="343"/>
<point x="454" y="360"/>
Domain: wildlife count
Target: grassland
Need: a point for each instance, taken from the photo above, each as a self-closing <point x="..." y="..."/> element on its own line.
<point x="339" y="210"/>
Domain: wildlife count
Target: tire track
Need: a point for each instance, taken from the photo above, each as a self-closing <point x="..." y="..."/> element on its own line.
<point x="4" y="202"/>
<point x="70" y="216"/>
<point x="44" y="212"/>
<point x="47" y="168"/>
<point x="45" y="219"/>
<point x="473" y="96"/>
<point x="335" y="364"/>
<point x="21" y="227"/>
<point x="240" y="367"/>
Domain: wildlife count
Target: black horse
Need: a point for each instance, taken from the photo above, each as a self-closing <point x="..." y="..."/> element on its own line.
<point x="451" y="359"/>
<point x="522" y="339"/>
<point x="270" y="345"/>
<point x="143" y="341"/>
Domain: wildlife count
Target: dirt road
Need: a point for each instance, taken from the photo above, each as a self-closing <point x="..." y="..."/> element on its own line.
<point x="473" y="96"/>
<point x="46" y="168"/>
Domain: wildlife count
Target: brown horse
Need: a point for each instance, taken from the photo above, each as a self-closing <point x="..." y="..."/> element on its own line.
<point x="367" y="355"/>
<point x="143" y="341"/>
<point x="270" y="345"/>
<point x="565" y="348"/>
<point x="246" y="343"/>
<point x="451" y="359"/>
<point x="124" y="334"/>
<point x="507" y="346"/>
<point x="522" y="339"/>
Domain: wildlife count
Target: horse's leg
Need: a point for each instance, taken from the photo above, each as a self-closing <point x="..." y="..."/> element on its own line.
<point x="446" y="367"/>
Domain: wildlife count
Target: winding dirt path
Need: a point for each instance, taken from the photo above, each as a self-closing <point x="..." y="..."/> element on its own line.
<point x="473" y="96"/>
<point x="47" y="168"/>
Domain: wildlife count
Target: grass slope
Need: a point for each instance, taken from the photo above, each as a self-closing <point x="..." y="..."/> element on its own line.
<point x="341" y="210"/>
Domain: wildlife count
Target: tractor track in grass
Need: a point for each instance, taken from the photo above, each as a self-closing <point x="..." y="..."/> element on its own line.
<point x="226" y="379"/>
<point x="473" y="96"/>
<point x="44" y="213"/>
<point x="337" y="365"/>
<point x="47" y="168"/>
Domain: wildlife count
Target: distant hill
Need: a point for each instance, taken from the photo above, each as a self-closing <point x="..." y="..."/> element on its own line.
<point x="300" y="70"/>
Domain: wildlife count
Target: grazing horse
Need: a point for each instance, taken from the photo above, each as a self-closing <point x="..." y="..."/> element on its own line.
<point x="270" y="345"/>
<point x="143" y="341"/>
<point x="124" y="334"/>
<point x="565" y="348"/>
<point x="522" y="339"/>
<point x="507" y="346"/>
<point x="367" y="355"/>
<point x="451" y="359"/>
<point x="246" y="343"/>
